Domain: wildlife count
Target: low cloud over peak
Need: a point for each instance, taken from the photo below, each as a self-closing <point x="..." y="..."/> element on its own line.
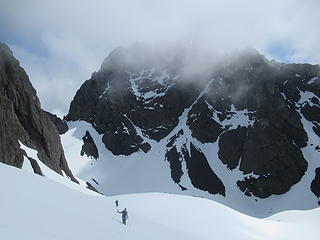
<point x="60" y="43"/>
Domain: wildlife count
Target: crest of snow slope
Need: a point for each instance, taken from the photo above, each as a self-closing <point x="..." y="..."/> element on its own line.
<point x="50" y="174"/>
<point x="34" y="207"/>
<point x="150" y="172"/>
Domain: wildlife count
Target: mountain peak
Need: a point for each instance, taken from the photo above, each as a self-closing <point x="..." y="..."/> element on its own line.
<point x="5" y="49"/>
<point x="202" y="118"/>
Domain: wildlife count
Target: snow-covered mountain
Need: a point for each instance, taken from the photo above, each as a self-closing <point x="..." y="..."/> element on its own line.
<point x="34" y="212"/>
<point x="241" y="130"/>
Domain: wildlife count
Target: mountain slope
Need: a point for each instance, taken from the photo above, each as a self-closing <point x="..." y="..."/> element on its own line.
<point x="242" y="130"/>
<point x="22" y="119"/>
<point x="151" y="216"/>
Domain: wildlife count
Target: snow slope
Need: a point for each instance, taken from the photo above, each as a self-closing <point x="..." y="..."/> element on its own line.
<point x="50" y="174"/>
<point x="117" y="174"/>
<point x="35" y="207"/>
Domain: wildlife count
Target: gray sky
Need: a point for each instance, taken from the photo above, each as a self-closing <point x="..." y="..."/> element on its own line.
<point x="60" y="43"/>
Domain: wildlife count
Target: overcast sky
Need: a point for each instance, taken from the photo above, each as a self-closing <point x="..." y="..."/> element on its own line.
<point x="61" y="42"/>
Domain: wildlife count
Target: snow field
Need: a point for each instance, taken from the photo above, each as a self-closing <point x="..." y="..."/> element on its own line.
<point x="34" y="207"/>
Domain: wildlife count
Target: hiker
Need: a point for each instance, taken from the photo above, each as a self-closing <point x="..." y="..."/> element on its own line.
<point x="124" y="216"/>
<point x="117" y="203"/>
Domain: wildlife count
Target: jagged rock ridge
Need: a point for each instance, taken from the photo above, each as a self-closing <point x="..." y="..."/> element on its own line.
<point x="22" y="119"/>
<point x="253" y="109"/>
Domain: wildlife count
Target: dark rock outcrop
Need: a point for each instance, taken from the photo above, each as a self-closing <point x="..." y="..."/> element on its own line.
<point x="174" y="158"/>
<point x="274" y="158"/>
<point x="92" y="188"/>
<point x="200" y="172"/>
<point x="60" y="124"/>
<point x="200" y="120"/>
<point x="22" y="119"/>
<point x="315" y="184"/>
<point x="311" y="113"/>
<point x="89" y="147"/>
<point x="316" y="129"/>
<point x="35" y="166"/>
<point x="231" y="146"/>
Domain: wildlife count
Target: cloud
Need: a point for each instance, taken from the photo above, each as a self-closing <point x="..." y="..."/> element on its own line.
<point x="60" y="43"/>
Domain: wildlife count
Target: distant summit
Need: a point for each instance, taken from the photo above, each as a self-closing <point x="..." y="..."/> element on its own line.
<point x="235" y="125"/>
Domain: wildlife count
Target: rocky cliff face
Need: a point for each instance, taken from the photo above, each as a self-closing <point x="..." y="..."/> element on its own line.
<point x="60" y="124"/>
<point x="22" y="119"/>
<point x="253" y="111"/>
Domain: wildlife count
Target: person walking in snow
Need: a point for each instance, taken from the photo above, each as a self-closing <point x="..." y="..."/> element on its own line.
<point x="117" y="203"/>
<point x="124" y="216"/>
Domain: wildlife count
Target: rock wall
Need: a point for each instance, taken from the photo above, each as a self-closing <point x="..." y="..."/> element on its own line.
<point x="22" y="119"/>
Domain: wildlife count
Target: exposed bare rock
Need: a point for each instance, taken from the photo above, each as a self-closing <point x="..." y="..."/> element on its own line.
<point x="60" y="124"/>
<point x="21" y="118"/>
<point x="89" y="147"/>
<point x="315" y="184"/>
